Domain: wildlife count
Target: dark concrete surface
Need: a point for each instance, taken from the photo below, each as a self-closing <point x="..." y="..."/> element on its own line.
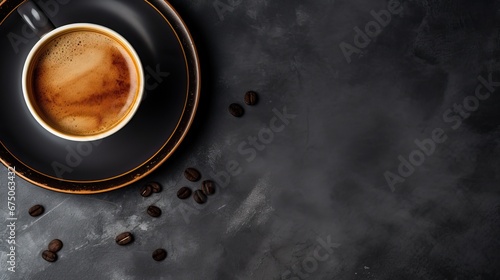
<point x="366" y="157"/>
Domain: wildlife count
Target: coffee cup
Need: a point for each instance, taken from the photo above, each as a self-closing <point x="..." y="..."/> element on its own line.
<point x="81" y="81"/>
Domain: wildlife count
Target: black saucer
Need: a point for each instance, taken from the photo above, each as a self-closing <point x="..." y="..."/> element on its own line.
<point x="171" y="66"/>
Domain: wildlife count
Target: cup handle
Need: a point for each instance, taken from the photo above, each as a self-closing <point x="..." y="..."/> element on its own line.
<point x="35" y="18"/>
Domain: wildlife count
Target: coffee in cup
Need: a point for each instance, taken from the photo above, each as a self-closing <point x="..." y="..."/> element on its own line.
<point x="83" y="82"/>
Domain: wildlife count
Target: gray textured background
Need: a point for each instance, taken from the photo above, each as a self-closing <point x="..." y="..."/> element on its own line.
<point x="322" y="176"/>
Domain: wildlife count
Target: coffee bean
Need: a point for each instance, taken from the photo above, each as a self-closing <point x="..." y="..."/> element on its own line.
<point x="159" y="255"/>
<point x="55" y="245"/>
<point x="184" y="193"/>
<point x="36" y="210"/>
<point x="154" y="211"/>
<point x="236" y="110"/>
<point x="208" y="187"/>
<point x="199" y="197"/>
<point x="192" y="174"/>
<point x="155" y="186"/>
<point x="146" y="190"/>
<point x="251" y="98"/>
<point x="124" y="238"/>
<point x="49" y="256"/>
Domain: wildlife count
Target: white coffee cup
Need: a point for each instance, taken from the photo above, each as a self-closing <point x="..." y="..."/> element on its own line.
<point x="82" y="81"/>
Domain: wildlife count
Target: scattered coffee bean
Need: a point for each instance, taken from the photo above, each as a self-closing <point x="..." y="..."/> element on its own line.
<point x="236" y="110"/>
<point x="192" y="174"/>
<point x="146" y="190"/>
<point x="36" y="210"/>
<point x="155" y="186"/>
<point x="251" y="98"/>
<point x="184" y="193"/>
<point x="55" y="245"/>
<point x="208" y="187"/>
<point x="154" y="211"/>
<point x="200" y="197"/>
<point x="124" y="238"/>
<point x="49" y="256"/>
<point x="159" y="255"/>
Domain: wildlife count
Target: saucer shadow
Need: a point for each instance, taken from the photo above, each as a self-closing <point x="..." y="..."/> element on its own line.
<point x="204" y="113"/>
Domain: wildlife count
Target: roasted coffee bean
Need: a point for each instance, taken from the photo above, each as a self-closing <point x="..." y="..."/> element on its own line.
<point x="55" y="245"/>
<point x="36" y="210"/>
<point x="159" y="255"/>
<point x="184" y="193"/>
<point x="154" y="211"/>
<point x="155" y="186"/>
<point x="49" y="256"/>
<point x="208" y="187"/>
<point x="236" y="110"/>
<point x="200" y="197"/>
<point x="192" y="174"/>
<point x="146" y="190"/>
<point x="124" y="238"/>
<point x="251" y="98"/>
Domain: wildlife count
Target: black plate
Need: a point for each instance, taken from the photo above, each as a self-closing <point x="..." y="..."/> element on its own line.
<point x="164" y="45"/>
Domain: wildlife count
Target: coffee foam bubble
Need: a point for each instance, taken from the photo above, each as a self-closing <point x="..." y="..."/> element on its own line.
<point x="84" y="82"/>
